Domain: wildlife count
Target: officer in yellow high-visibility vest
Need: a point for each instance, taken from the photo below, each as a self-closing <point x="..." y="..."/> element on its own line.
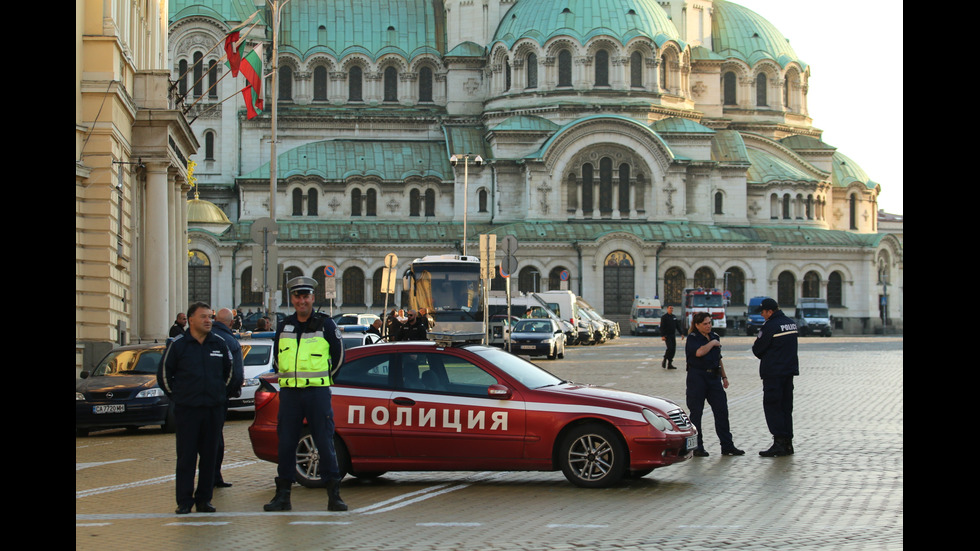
<point x="308" y="345"/>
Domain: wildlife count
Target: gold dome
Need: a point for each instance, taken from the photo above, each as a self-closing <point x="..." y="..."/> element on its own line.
<point x="200" y="211"/>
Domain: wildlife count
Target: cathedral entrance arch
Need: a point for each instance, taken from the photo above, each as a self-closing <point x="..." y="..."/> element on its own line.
<point x="618" y="275"/>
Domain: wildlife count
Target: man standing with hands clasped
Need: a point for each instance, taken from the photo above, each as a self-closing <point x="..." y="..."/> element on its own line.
<point x="197" y="374"/>
<point x="308" y="346"/>
<point x="776" y="346"/>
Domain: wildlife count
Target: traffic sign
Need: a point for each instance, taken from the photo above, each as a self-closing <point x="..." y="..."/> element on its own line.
<point x="564" y="275"/>
<point x="329" y="271"/>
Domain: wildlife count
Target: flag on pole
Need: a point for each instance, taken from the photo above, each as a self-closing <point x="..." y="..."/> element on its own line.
<point x="251" y="68"/>
<point x="234" y="52"/>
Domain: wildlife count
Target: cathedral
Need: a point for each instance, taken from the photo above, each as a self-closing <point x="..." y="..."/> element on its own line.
<point x="632" y="147"/>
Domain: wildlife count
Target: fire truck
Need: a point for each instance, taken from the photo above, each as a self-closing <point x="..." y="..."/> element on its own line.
<point x="704" y="300"/>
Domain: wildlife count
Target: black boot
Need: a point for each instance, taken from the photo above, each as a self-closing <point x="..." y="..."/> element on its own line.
<point x="335" y="503"/>
<point x="779" y="448"/>
<point x="281" y="500"/>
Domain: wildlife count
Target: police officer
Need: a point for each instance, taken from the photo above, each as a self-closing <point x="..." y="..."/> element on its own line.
<point x="308" y="345"/>
<point x="776" y="346"/>
<point x="707" y="380"/>
<point x="222" y="326"/>
<point x="179" y="325"/>
<point x="669" y="329"/>
<point x="196" y="373"/>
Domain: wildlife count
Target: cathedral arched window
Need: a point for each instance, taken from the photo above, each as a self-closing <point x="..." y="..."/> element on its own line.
<point x="531" y="65"/>
<point x="320" y="83"/>
<point x="786" y="289"/>
<point x="664" y="84"/>
<point x="704" y="277"/>
<point x="371" y="202"/>
<point x="554" y="277"/>
<point x="624" y="189"/>
<point x="182" y="77"/>
<point x="311" y="202"/>
<point x="286" y="83"/>
<point x="355" y="202"/>
<point x="835" y="289"/>
<point x="297" y="202"/>
<point x="811" y="285"/>
<point x="425" y="85"/>
<point x="430" y="202"/>
<point x="414" y="203"/>
<point x="564" y="69"/>
<point x="198" y="74"/>
<point x="786" y="207"/>
<point x="482" y="200"/>
<point x="506" y="74"/>
<point x="354" y="84"/>
<point x="209" y="145"/>
<point x="719" y="202"/>
<point x="212" y="79"/>
<point x="588" y="179"/>
<point x="729" y="82"/>
<point x="760" y="90"/>
<point x="377" y="297"/>
<point x="248" y="297"/>
<point x="391" y="84"/>
<point x="353" y="287"/>
<point x="735" y="284"/>
<point x="852" y="211"/>
<point x="529" y="280"/>
<point x="636" y="70"/>
<point x="602" y="68"/>
<point x="674" y="284"/>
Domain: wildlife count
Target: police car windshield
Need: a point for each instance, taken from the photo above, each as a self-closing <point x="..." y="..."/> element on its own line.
<point x="523" y="371"/>
<point x="258" y="354"/>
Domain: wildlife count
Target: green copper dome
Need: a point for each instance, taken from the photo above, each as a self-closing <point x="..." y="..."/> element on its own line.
<point x="743" y="34"/>
<point x="542" y="20"/>
<point x="846" y="172"/>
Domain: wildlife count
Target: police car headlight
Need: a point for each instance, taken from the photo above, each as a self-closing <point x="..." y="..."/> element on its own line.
<point x="250" y="382"/>
<point x="79" y="397"/>
<point x="150" y="393"/>
<point x="659" y="422"/>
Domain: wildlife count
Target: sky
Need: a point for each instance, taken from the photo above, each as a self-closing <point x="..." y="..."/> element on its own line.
<point x="855" y="53"/>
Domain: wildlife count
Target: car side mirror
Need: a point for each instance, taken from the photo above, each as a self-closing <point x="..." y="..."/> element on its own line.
<point x="500" y="392"/>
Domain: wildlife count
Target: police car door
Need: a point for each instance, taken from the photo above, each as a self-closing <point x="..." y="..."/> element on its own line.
<point x="362" y="407"/>
<point x="445" y="414"/>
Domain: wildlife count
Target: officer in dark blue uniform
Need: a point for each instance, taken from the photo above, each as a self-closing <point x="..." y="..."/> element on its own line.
<point x="669" y="329"/>
<point x="706" y="380"/>
<point x="221" y="326"/>
<point x="777" y="346"/>
<point x="196" y="373"/>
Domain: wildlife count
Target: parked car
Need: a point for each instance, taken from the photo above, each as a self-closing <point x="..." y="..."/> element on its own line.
<point x="357" y="335"/>
<point x="122" y="391"/>
<point x="257" y="357"/>
<point x="538" y="337"/>
<point x="355" y="319"/>
<point x="250" y="321"/>
<point x="420" y="406"/>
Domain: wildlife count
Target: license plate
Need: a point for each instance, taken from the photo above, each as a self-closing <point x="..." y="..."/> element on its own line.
<point x="691" y="442"/>
<point x="528" y="347"/>
<point x="111" y="408"/>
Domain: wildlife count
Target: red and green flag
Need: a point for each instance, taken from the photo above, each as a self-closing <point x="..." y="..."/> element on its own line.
<point x="234" y="52"/>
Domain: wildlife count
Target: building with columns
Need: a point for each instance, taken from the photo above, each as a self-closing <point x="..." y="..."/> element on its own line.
<point x="131" y="151"/>
<point x="643" y="147"/>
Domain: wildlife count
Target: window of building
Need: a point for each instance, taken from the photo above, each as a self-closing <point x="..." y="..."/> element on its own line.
<point x="760" y="90"/>
<point x="311" y="202"/>
<point x="198" y="74"/>
<point x="213" y="79"/>
<point x="391" y="84"/>
<point x="355" y="202"/>
<point x="209" y="146"/>
<point x="564" y="69"/>
<point x="414" y="203"/>
<point x="636" y="70"/>
<point x="624" y="189"/>
<point x="297" y="202"/>
<point x="353" y="287"/>
<point x="811" y="285"/>
<point x="248" y="297"/>
<point x="674" y="284"/>
<point x="430" y="202"/>
<point x="786" y="289"/>
<point x="729" y="86"/>
<point x="482" y="200"/>
<point x="602" y="68"/>
<point x="605" y="186"/>
<point x="425" y="85"/>
<point x="531" y="65"/>
<point x="371" y="202"/>
<point x="786" y="207"/>
<point x="664" y="83"/>
<point x="852" y="211"/>
<point x="835" y="289"/>
<point x="735" y="283"/>
<point x="320" y="83"/>
<point x="588" y="180"/>
<point x="506" y="74"/>
<point x="554" y="278"/>
<point x="719" y="202"/>
<point x="354" y="84"/>
<point x="182" y="77"/>
<point x="704" y="277"/>
<point x="529" y="280"/>
<point x="286" y="83"/>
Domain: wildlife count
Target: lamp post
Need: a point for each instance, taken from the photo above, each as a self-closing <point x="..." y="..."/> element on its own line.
<point x="478" y="160"/>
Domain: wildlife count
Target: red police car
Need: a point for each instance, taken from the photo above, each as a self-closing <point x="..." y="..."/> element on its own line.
<point x="420" y="406"/>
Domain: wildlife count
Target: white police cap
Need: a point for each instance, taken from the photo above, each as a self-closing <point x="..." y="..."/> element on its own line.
<point x="301" y="284"/>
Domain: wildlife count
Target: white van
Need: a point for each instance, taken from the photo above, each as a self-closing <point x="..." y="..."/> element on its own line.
<point x="564" y="305"/>
<point x="645" y="316"/>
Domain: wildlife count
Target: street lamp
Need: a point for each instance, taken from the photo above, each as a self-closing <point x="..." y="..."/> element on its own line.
<point x="478" y="160"/>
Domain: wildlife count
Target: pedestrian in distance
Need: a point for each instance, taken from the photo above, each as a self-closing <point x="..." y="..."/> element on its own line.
<point x="777" y="347"/>
<point x="669" y="329"/>
<point x="197" y="374"/>
<point x="414" y="328"/>
<point x="223" y="321"/>
<point x="707" y="380"/>
<point x="308" y="347"/>
<point x="179" y="326"/>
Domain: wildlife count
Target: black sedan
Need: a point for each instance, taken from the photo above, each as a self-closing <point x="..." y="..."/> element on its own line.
<point x="122" y="391"/>
<point x="538" y="337"/>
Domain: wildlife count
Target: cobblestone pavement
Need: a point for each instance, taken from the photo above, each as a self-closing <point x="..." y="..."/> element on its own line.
<point x="842" y="490"/>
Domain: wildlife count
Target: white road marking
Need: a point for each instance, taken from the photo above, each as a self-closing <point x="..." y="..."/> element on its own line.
<point x="454" y="524"/>
<point x="80" y="466"/>
<point x="147" y="482"/>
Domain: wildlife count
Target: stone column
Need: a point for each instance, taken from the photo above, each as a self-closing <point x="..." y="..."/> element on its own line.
<point x="156" y="300"/>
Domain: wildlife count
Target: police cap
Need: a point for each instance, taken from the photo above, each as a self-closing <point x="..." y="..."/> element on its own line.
<point x="769" y="304"/>
<point x="301" y="284"/>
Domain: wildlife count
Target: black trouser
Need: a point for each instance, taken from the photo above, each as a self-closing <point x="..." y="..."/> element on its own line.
<point x="702" y="386"/>
<point x="777" y="403"/>
<point x="313" y="404"/>
<point x="198" y="430"/>
<point x="671" y="342"/>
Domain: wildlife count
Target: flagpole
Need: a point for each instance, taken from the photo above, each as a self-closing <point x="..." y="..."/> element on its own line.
<point x="276" y="15"/>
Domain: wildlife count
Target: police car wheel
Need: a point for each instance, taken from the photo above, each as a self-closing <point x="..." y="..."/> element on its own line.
<point x="592" y="456"/>
<point x="308" y="461"/>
